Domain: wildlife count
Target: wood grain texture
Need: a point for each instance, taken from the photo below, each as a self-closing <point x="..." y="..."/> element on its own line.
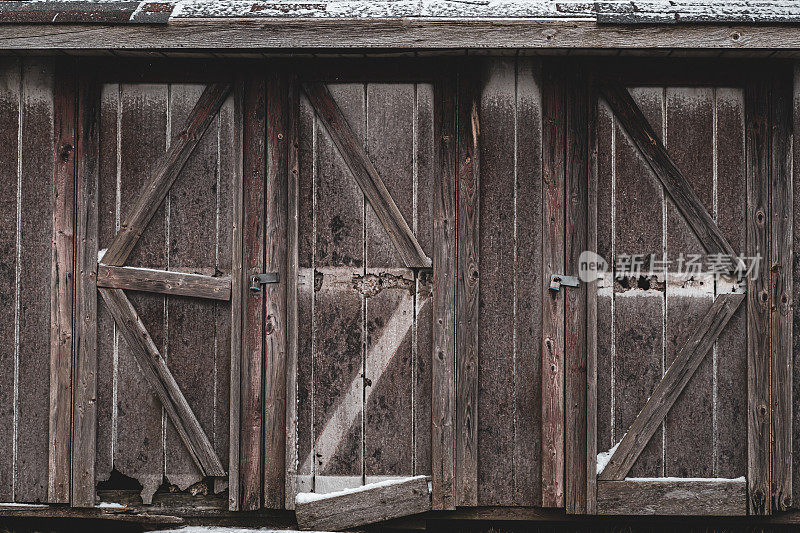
<point x="366" y="175"/>
<point x="444" y="287"/>
<point x="160" y="379"/>
<point x="164" y="282"/>
<point x="62" y="281"/>
<point x="467" y="287"/>
<point x="164" y="173"/>
<point x="782" y="296"/>
<point x="759" y="160"/>
<point x="689" y="498"/>
<point x="372" y="503"/>
<point x="553" y="169"/>
<point x="84" y="409"/>
<point x="252" y="385"/>
<point x="694" y="349"/>
<point x="592" y="307"/>
<point x="674" y="182"/>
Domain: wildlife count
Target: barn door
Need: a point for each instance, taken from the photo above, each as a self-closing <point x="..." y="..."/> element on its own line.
<point x="680" y="321"/>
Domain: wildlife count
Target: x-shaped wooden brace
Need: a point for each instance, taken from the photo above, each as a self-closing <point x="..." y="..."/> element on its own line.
<point x="113" y="277"/>
<point x="705" y="333"/>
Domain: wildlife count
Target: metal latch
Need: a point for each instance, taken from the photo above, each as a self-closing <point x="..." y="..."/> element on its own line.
<point x="257" y="280"/>
<point x="557" y="280"/>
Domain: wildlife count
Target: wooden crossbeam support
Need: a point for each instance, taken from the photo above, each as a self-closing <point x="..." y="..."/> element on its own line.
<point x="165" y="171"/>
<point x="675" y="183"/>
<point x="365" y="173"/>
<point x="163" y="383"/>
<point x="688" y="358"/>
<point x="164" y="282"/>
<point x="712" y="497"/>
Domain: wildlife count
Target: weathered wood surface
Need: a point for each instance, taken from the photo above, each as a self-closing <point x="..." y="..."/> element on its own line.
<point x="365" y="173"/>
<point x="61" y="281"/>
<point x="690" y="497"/>
<point x="164" y="173"/>
<point x="759" y="159"/>
<point x="553" y="169"/>
<point x="467" y="286"/>
<point x="84" y="406"/>
<point x="696" y="346"/>
<point x="164" y="282"/>
<point x="592" y="290"/>
<point x="371" y="503"/>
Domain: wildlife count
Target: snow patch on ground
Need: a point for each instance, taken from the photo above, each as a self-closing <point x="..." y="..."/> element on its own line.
<point x="109" y="505"/>
<point x="671" y="479"/>
<point x="307" y="497"/>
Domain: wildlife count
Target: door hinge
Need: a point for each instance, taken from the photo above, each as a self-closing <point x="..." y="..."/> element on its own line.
<point x="557" y="281"/>
<point x="257" y="280"/>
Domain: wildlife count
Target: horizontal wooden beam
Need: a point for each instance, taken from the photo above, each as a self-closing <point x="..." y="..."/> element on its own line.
<point x="281" y="33"/>
<point x="164" y="282"/>
<point x="695" y="497"/>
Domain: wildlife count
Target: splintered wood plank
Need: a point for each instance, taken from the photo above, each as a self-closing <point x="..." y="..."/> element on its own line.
<point x="190" y="350"/>
<point x="33" y="262"/>
<point x="697" y="344"/>
<point x="467" y="287"/>
<point x="372" y="503"/>
<point x="165" y="282"/>
<point x="695" y="497"/>
<point x="495" y="305"/>
<point x="165" y="170"/>
<point x="675" y="183"/>
<point x="575" y="335"/>
<point x="781" y="320"/>
<point x="351" y="149"/>
<point x="731" y="449"/>
<point x="528" y="281"/>
<point x="85" y="405"/>
<point x="638" y="311"/>
<point x="689" y="426"/>
<point x="553" y="307"/>
<point x="142" y="139"/>
<point x="275" y="294"/>
<point x="759" y="160"/>
<point x="389" y="289"/>
<point x="10" y="74"/>
<point x="444" y="284"/>
<point x="251" y="423"/>
<point x="338" y="305"/>
<point x="61" y="281"/>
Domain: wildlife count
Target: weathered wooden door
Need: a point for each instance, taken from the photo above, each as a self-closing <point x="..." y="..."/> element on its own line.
<point x="678" y="353"/>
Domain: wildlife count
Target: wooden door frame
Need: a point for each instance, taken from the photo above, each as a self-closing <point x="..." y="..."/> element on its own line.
<point x="570" y="96"/>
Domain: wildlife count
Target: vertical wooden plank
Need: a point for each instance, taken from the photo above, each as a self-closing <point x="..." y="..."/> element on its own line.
<point x="796" y="281"/>
<point x="781" y="251"/>
<point x="467" y="287"/>
<point x="84" y="424"/>
<point x="731" y="449"/>
<point x="689" y="446"/>
<point x="292" y="288"/>
<point x="757" y="109"/>
<point x="238" y="288"/>
<point x="591" y="303"/>
<point x="575" y="334"/>
<point x="495" y="421"/>
<point x="61" y="281"/>
<point x="139" y="450"/>
<point x="388" y="412"/>
<point x="444" y="280"/>
<point x="250" y="461"/>
<point x="34" y="253"/>
<point x="275" y="294"/>
<point x="10" y="96"/>
<point x="528" y="282"/>
<point x="553" y="307"/>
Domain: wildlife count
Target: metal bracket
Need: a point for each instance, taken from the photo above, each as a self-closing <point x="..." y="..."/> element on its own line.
<point x="257" y="280"/>
<point x="557" y="281"/>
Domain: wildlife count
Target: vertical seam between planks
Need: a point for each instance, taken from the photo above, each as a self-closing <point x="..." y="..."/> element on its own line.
<point x="218" y="120"/>
<point x="664" y="251"/>
<point x="714" y="362"/>
<point x="415" y="224"/>
<point x="117" y="216"/>
<point x="514" y="289"/>
<point x="364" y="303"/>
<point x="314" y="163"/>
<point x="613" y="260"/>
<point x="165" y="301"/>
<point x="17" y="269"/>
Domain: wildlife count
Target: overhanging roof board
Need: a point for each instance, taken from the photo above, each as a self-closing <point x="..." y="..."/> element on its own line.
<point x="603" y="12"/>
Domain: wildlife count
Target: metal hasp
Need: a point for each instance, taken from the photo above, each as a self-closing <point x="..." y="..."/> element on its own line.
<point x="557" y="280"/>
<point x="257" y="280"/>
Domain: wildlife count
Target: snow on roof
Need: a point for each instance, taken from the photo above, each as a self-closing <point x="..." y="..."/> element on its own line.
<point x="604" y="12"/>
